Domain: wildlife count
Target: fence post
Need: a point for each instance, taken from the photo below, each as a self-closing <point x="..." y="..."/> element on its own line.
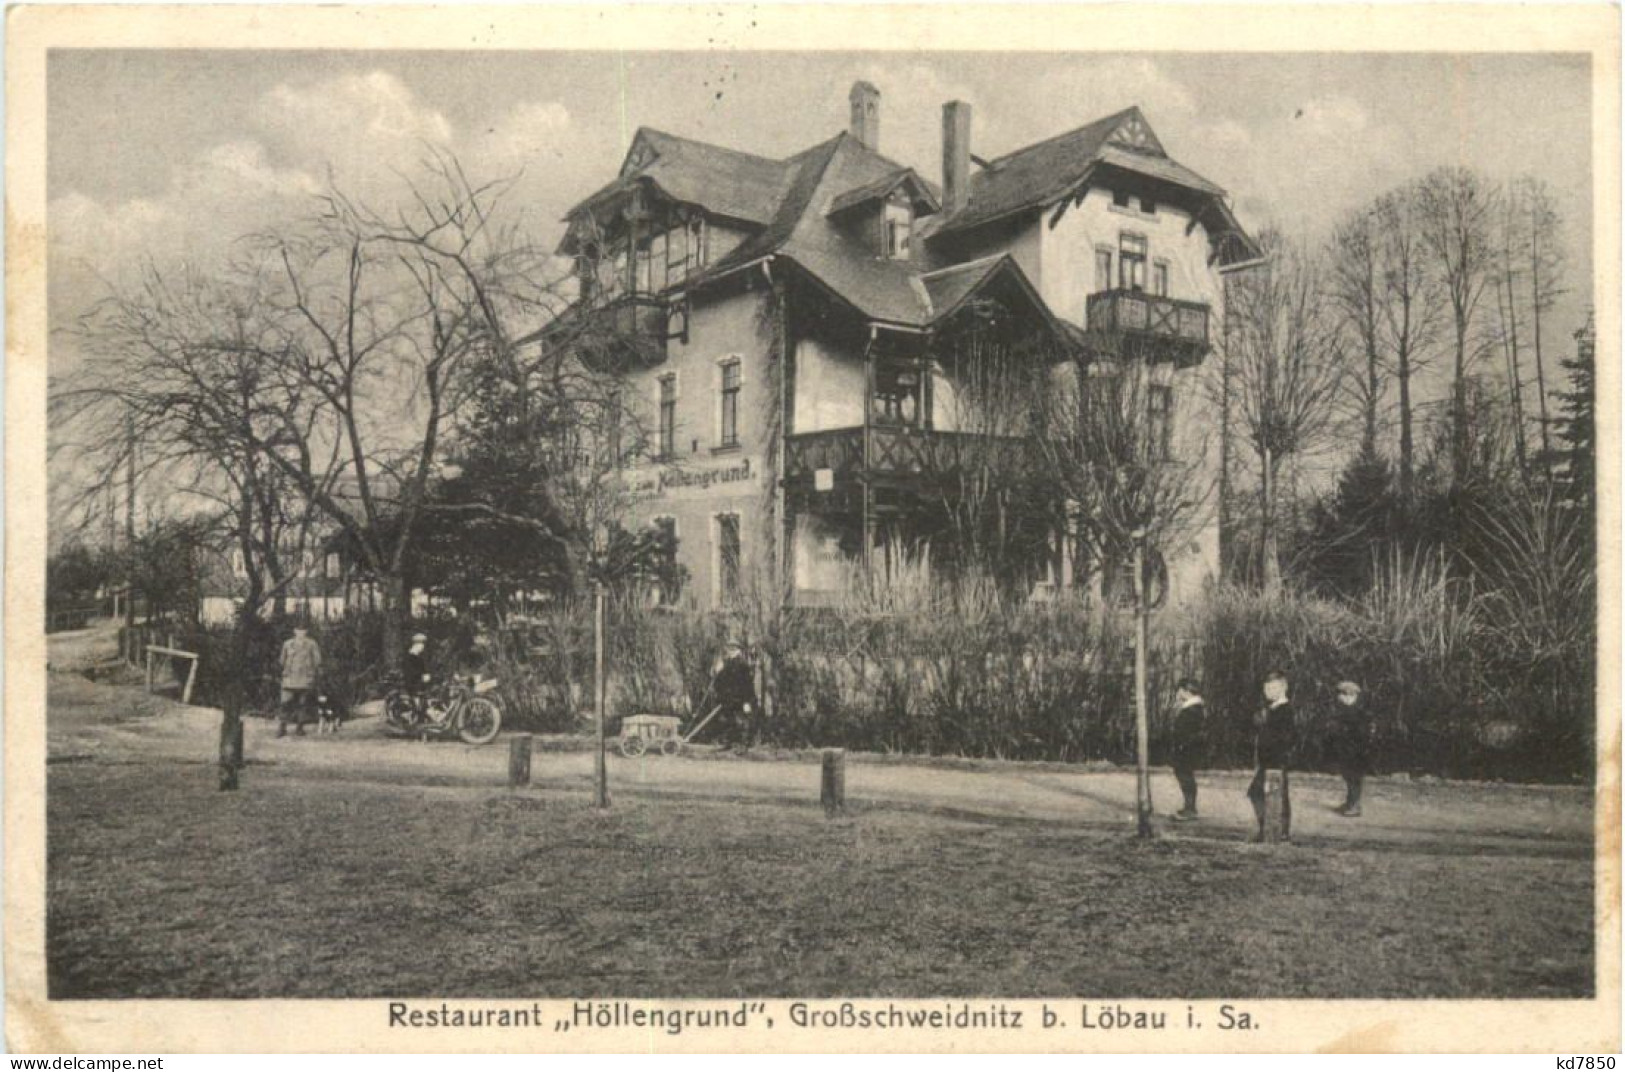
<point x="1277" y="807"/>
<point x="231" y="750"/>
<point x="191" y="676"/>
<point x="833" y="788"/>
<point x="519" y="747"/>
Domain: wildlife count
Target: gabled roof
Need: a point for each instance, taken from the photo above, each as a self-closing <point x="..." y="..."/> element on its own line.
<point x="919" y="192"/>
<point x="727" y="182"/>
<point x="1043" y="173"/>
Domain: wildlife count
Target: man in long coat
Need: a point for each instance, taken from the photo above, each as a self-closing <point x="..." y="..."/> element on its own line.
<point x="734" y="687"/>
<point x="301" y="663"/>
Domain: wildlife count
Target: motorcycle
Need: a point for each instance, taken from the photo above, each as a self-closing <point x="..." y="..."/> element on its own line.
<point x="462" y="709"/>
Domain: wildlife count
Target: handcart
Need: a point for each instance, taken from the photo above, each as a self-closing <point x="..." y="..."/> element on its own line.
<point x="642" y="733"/>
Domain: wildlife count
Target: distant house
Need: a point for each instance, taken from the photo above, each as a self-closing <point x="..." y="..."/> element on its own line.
<point x="320" y="589"/>
<point x="800" y="316"/>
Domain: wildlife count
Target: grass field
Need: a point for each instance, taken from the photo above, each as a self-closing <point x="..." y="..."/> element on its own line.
<point x="312" y="883"/>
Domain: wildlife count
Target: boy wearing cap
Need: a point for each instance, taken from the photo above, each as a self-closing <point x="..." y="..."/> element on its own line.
<point x="1352" y="744"/>
<point x="1187" y="751"/>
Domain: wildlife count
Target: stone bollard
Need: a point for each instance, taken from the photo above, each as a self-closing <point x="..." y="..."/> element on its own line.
<point x="833" y="789"/>
<point x="519" y="749"/>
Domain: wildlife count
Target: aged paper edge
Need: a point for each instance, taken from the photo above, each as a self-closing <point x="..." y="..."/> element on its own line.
<point x="35" y="1024"/>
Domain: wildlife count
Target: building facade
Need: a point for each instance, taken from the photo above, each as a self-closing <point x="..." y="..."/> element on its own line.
<point x="826" y="342"/>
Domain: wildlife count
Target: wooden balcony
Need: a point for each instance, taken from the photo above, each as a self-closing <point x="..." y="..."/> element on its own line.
<point x="900" y="456"/>
<point x="626" y="332"/>
<point x="1126" y="323"/>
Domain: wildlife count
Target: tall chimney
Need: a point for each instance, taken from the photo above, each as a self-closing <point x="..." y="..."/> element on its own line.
<point x="955" y="156"/>
<point x="865" y="127"/>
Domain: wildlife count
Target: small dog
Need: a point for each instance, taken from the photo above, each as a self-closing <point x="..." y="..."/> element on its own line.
<point x="329" y="714"/>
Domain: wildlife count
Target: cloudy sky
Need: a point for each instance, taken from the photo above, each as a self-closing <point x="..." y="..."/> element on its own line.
<point x="171" y="153"/>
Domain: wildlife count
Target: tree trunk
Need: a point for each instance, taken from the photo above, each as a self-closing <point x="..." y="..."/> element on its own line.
<point x="231" y="717"/>
<point x="397" y="619"/>
<point x="1540" y="364"/>
<point x="1271" y="563"/>
<point x="1407" y="445"/>
<point x="1459" y="444"/>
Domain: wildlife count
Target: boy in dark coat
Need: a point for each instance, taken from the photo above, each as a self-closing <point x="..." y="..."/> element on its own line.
<point x="1274" y="746"/>
<point x="1351" y="744"/>
<point x="1188" y="752"/>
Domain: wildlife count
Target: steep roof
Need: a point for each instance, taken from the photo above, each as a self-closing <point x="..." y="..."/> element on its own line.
<point x="797" y="205"/>
<point x="1041" y="173"/>
<point x="730" y="183"/>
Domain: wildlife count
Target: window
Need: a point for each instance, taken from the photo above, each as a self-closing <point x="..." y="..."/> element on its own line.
<point x="1159" y="279"/>
<point x="898" y="221"/>
<point x="1131" y="253"/>
<point x="729" y="432"/>
<point x="698" y="251"/>
<point x="667" y="586"/>
<point x="668" y="416"/>
<point x="333" y="568"/>
<point x="728" y="558"/>
<point x="1160" y="422"/>
<point x="1148" y="206"/>
<point x="1121" y="199"/>
<point x="897" y="395"/>
<point x="1103" y="270"/>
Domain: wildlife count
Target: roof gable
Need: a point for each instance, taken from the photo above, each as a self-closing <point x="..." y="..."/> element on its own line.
<point x="1042" y="173"/>
<point x="917" y="190"/>
<point x="1134" y="133"/>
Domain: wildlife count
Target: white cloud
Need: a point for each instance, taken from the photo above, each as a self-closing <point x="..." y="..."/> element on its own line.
<point x="366" y="129"/>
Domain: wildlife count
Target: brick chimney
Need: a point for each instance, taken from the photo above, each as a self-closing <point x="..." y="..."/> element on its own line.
<point x="955" y="156"/>
<point x="865" y="127"/>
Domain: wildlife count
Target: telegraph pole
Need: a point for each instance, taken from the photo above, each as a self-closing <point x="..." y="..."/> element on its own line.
<point x="600" y="682"/>
<point x="1142" y="724"/>
<point x="129" y="521"/>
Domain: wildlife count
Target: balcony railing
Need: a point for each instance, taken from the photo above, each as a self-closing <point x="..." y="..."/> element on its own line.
<point x="895" y="452"/>
<point x="1176" y="328"/>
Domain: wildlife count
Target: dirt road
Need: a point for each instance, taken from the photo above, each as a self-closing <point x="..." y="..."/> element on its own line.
<point x="93" y="720"/>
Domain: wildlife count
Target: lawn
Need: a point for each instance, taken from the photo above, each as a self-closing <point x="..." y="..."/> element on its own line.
<point x="318" y="884"/>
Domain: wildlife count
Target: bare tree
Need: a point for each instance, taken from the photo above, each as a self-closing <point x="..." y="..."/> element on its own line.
<point x="1456" y="210"/>
<point x="1115" y="454"/>
<point x="1288" y="372"/>
<point x="173" y="375"/>
<point x="1546" y="279"/>
<point x="1411" y="311"/>
<point x="1357" y="291"/>
<point x="378" y="315"/>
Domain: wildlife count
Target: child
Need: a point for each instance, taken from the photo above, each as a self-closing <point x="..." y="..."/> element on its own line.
<point x="1351" y="744"/>
<point x="1277" y="733"/>
<point x="1187" y="745"/>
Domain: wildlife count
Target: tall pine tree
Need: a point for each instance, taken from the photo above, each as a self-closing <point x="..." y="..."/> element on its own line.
<point x="1575" y="461"/>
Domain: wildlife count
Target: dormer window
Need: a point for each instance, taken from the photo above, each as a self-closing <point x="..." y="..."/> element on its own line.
<point x="897" y="222"/>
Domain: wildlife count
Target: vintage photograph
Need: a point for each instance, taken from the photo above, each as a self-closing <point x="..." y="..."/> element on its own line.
<point x="732" y="524"/>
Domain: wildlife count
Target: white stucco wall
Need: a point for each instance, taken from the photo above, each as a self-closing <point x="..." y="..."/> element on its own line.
<point x="704" y="480"/>
<point x="829" y="387"/>
<point x="1066" y="278"/>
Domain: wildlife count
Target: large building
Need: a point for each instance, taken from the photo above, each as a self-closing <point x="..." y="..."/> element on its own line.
<point x="815" y="329"/>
